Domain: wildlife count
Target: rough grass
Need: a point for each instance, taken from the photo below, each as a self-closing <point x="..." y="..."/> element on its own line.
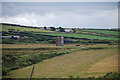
<point x="74" y="64"/>
<point x="6" y="28"/>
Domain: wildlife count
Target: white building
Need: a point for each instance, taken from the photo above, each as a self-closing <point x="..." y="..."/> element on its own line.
<point x="68" y="30"/>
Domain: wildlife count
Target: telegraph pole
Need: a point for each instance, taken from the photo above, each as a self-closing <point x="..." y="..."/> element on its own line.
<point x="32" y="73"/>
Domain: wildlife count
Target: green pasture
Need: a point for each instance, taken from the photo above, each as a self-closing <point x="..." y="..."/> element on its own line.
<point x="52" y="33"/>
<point x="102" y="31"/>
<point x="78" y="36"/>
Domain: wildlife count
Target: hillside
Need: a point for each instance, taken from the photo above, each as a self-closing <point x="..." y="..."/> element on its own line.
<point x="19" y="28"/>
<point x="83" y="34"/>
<point x="79" y="63"/>
<point x="34" y="46"/>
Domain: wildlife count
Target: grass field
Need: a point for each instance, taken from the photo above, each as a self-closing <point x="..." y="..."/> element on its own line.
<point x="102" y="31"/>
<point x="79" y="36"/>
<point x="36" y="45"/>
<point x="53" y="33"/>
<point x="50" y="45"/>
<point x="79" y="63"/>
<point x="6" y="28"/>
<point x="109" y="64"/>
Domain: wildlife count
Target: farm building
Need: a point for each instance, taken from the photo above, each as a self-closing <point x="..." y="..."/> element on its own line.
<point x="68" y="30"/>
<point x="12" y="37"/>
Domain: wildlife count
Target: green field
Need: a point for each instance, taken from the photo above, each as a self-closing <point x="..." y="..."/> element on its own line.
<point x="16" y="28"/>
<point x="35" y="31"/>
<point x="102" y="31"/>
<point x="79" y="36"/>
<point x="73" y="64"/>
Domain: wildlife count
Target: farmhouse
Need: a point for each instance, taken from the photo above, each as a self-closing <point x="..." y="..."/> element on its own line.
<point x="42" y="28"/>
<point x="68" y="30"/>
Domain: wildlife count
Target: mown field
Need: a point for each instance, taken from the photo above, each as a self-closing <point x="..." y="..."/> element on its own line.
<point x="83" y="63"/>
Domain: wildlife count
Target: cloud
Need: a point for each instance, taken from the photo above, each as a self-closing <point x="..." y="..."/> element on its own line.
<point x="79" y="15"/>
<point x="26" y="19"/>
<point x="61" y="1"/>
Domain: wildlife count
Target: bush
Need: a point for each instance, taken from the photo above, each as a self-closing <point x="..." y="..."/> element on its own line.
<point x="5" y="70"/>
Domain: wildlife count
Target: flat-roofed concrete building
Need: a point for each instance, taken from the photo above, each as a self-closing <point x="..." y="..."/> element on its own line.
<point x="59" y="41"/>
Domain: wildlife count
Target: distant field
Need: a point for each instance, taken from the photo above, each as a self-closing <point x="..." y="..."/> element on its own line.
<point x="73" y="64"/>
<point x="102" y="31"/>
<point x="79" y="36"/>
<point x="6" y="28"/>
<point x="49" y="45"/>
<point x="53" y="33"/>
<point x="34" y="45"/>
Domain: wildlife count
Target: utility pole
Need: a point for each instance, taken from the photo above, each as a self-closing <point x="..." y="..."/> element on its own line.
<point x="32" y="73"/>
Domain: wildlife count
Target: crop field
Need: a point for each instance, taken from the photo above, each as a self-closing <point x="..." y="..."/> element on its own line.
<point x="79" y="36"/>
<point x="82" y="63"/>
<point x="16" y="28"/>
<point x="102" y="31"/>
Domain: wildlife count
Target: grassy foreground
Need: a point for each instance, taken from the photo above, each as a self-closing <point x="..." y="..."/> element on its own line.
<point x="74" y="64"/>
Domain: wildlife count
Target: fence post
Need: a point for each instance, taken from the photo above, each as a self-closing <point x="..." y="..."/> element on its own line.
<point x="32" y="73"/>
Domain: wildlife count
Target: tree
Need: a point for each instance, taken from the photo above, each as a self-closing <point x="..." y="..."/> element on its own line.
<point x="62" y="29"/>
<point x="52" y="28"/>
<point x="74" y="30"/>
<point x="45" y="27"/>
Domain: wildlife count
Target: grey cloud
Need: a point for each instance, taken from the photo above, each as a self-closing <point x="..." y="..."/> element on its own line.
<point x="75" y="14"/>
<point x="15" y="8"/>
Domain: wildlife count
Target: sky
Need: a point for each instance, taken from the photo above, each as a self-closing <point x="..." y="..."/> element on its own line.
<point x="65" y="14"/>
